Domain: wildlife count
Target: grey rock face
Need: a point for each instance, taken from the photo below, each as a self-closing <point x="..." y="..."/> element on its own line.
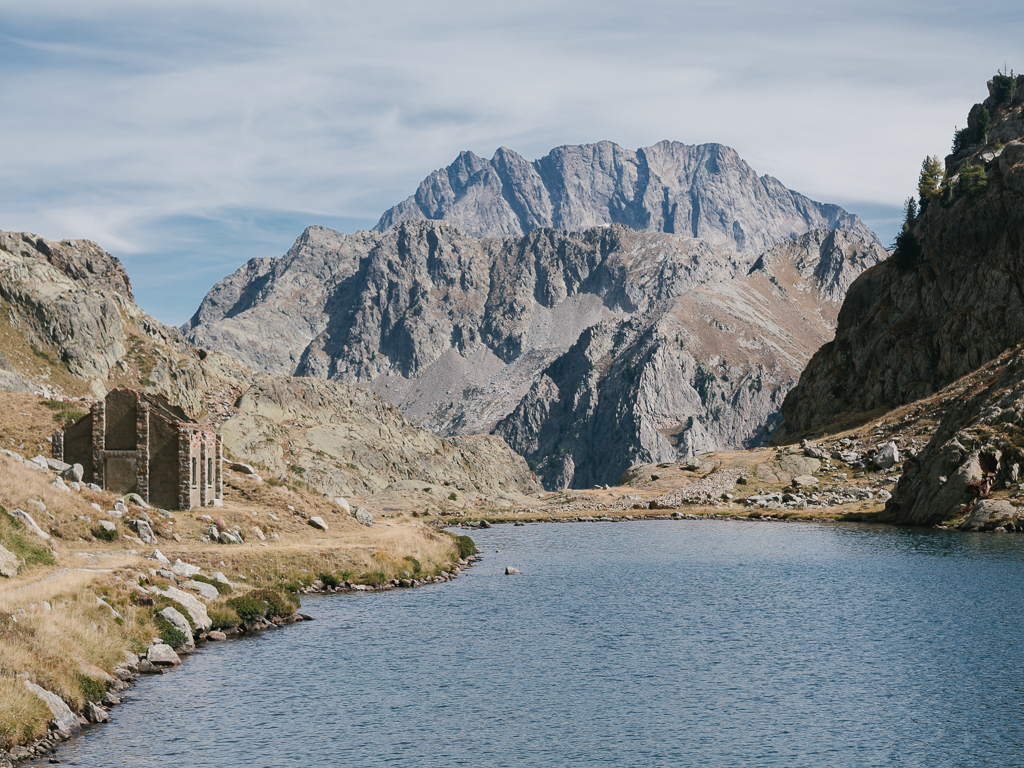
<point x="461" y="332"/>
<point x="704" y="191"/>
<point x="64" y="719"/>
<point x="906" y="330"/>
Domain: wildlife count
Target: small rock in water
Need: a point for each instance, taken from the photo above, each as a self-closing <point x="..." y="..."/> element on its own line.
<point x="510" y="571"/>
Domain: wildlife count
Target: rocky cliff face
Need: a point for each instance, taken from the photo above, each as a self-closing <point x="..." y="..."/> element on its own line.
<point x="704" y="191"/>
<point x="698" y="372"/>
<point x="458" y="330"/>
<point x="919" y="321"/>
<point x="69" y="326"/>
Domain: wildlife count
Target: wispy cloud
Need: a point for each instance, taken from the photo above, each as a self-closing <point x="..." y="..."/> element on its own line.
<point x="203" y="133"/>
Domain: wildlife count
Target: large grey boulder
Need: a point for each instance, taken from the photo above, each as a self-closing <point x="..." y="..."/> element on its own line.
<point x="95" y="713"/>
<point x="202" y="589"/>
<point x="363" y="516"/>
<point x="162" y="655"/>
<point x="318" y="522"/>
<point x="8" y="563"/>
<point x="196" y="610"/>
<point x="987" y="511"/>
<point x="26" y="518"/>
<point x="888" y="456"/>
<point x="181" y="624"/>
<point x="74" y="473"/>
<point x="144" y="531"/>
<point x="64" y="720"/>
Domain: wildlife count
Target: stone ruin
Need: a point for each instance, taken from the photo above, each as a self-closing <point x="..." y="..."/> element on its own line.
<point x="133" y="442"/>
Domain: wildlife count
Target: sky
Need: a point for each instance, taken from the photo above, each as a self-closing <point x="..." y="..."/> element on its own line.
<point x="187" y="137"/>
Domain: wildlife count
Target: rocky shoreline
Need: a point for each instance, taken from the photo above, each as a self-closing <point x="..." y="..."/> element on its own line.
<point x="161" y="657"/>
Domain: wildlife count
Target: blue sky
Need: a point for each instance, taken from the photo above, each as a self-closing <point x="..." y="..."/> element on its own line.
<point x="188" y="137"/>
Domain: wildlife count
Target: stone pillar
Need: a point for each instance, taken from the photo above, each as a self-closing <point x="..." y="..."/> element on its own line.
<point x="57" y="445"/>
<point x="184" y="469"/>
<point x="142" y="446"/>
<point x="202" y="469"/>
<point x="218" y="469"/>
<point x="99" y="441"/>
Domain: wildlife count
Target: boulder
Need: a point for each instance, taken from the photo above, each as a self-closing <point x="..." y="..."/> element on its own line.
<point x="95" y="713"/>
<point x="64" y="720"/>
<point x="245" y="469"/>
<point x="484" y="524"/>
<point x="216" y="635"/>
<point x="144" y="531"/>
<point x="805" y="481"/>
<point x="138" y="501"/>
<point x="106" y="525"/>
<point x="229" y="537"/>
<point x="196" y="610"/>
<point x="60" y="485"/>
<point x="218" y="576"/>
<point x="259" y="533"/>
<point x="181" y="624"/>
<point x="888" y="455"/>
<point x="185" y="570"/>
<point x="26" y="518"/>
<point x="318" y="522"/>
<point x="8" y="563"/>
<point x="988" y="510"/>
<point x="343" y="503"/>
<point x="56" y="465"/>
<point x="108" y="606"/>
<point x="510" y="571"/>
<point x="74" y="473"/>
<point x="161" y="655"/>
<point x="363" y="516"/>
<point x="146" y="667"/>
<point x="160" y="557"/>
<point x="202" y="589"/>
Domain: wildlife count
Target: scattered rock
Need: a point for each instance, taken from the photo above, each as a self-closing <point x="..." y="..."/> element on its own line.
<point x="318" y="522"/>
<point x="185" y="570"/>
<point x="202" y="588"/>
<point x="144" y="530"/>
<point x="106" y="525"/>
<point x="162" y="655"/>
<point x="229" y="537"/>
<point x="196" y="610"/>
<point x="160" y="557"/>
<point x="805" y="481"/>
<point x="343" y="503"/>
<point x="95" y="714"/>
<point x="74" y="473"/>
<point x="483" y="524"/>
<point x="138" y="501"/>
<point x="60" y="485"/>
<point x="887" y="456"/>
<point x="146" y="667"/>
<point x="218" y="576"/>
<point x="363" y="516"/>
<point x="245" y="469"/>
<point x="215" y="636"/>
<point x="510" y="571"/>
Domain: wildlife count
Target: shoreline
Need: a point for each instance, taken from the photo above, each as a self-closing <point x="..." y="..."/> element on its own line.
<point x="128" y="672"/>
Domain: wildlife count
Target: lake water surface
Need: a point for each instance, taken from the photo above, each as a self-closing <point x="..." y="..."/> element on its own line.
<point x="692" y="643"/>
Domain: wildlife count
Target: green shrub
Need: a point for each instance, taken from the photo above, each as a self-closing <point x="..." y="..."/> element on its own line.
<point x="223" y="616"/>
<point x="962" y="138"/>
<point x="23" y="547"/>
<point x="453" y="496"/>
<point x="92" y="689"/>
<point x="416" y="565"/>
<point x="972" y="180"/>
<point x="102" y="533"/>
<point x="466" y="546"/>
<point x="248" y="606"/>
<point x="372" y="578"/>
<point x="292" y="586"/>
<point x="63" y="412"/>
<point x="329" y="580"/>
<point x="1003" y="87"/>
<point x="278" y="603"/>
<point x="222" y="588"/>
<point x="170" y="634"/>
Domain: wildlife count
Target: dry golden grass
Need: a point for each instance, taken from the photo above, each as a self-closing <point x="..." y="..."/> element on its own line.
<point x="23" y="716"/>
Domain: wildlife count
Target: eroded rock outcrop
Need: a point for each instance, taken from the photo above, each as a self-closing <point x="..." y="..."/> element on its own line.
<point x="705" y="191"/>
<point x="951" y="302"/>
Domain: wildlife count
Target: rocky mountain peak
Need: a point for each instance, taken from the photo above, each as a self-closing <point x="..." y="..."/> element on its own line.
<point x="705" y="191"/>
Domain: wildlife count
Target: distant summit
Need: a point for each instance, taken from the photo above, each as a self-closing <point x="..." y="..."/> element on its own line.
<point x="705" y="191"/>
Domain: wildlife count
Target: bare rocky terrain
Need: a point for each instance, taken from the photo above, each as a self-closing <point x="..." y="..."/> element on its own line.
<point x="705" y="191"/>
<point x="70" y="330"/>
<point x="671" y="345"/>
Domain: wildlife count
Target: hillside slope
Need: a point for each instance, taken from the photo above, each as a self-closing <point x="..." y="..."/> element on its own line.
<point x="69" y="327"/>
